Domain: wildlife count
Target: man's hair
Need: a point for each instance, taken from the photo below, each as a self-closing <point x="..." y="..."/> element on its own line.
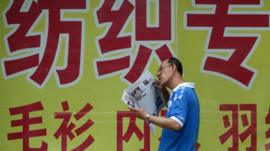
<point x="177" y="63"/>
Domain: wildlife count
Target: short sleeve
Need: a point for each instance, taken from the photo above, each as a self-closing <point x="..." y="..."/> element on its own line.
<point x="179" y="109"/>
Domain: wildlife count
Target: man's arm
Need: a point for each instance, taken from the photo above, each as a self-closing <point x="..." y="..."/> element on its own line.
<point x="157" y="120"/>
<point x="164" y="92"/>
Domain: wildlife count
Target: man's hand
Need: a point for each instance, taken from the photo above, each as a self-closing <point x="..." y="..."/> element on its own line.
<point x="158" y="120"/>
<point x="140" y="113"/>
<point x="165" y="93"/>
<point x="158" y="85"/>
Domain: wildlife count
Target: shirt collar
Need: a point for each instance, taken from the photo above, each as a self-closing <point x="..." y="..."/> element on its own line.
<point x="184" y="84"/>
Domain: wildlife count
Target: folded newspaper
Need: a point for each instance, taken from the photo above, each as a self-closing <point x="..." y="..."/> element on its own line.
<point x="144" y="94"/>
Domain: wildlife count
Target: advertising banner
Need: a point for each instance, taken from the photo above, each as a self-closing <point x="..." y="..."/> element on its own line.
<point x="65" y="64"/>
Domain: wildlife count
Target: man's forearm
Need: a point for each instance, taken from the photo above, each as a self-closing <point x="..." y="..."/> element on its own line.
<point x="157" y="120"/>
<point x="164" y="122"/>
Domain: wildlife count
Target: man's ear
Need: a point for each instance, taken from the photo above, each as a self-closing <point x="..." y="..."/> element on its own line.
<point x="173" y="68"/>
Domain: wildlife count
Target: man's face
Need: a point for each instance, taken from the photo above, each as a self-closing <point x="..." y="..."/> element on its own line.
<point x="164" y="73"/>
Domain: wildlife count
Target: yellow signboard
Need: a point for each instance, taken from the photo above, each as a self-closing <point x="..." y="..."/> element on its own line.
<point x="65" y="64"/>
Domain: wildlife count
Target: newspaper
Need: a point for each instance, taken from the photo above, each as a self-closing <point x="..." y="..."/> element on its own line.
<point x="144" y="94"/>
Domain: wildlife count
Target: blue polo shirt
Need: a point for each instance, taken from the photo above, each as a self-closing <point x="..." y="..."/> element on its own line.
<point x="183" y="107"/>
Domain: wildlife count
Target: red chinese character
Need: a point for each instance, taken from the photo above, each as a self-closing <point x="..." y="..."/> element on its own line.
<point x="198" y="146"/>
<point x="240" y="47"/>
<point x="67" y="128"/>
<point x="142" y="58"/>
<point x="21" y="40"/>
<point x="233" y="126"/>
<point x="163" y="112"/>
<point x="25" y="122"/>
<point x="105" y="67"/>
<point x="267" y="133"/>
<point x="132" y="129"/>
<point x="114" y="41"/>
<point x="163" y="31"/>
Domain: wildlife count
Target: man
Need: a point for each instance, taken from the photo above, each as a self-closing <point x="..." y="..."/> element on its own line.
<point x="181" y="124"/>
